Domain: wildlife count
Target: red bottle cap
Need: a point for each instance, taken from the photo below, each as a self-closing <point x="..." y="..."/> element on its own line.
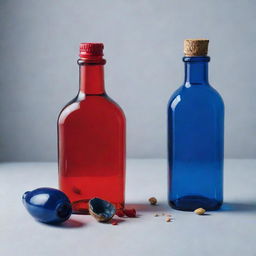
<point x="91" y="50"/>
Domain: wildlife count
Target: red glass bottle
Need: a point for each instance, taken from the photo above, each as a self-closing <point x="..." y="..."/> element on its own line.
<point x="91" y="138"/>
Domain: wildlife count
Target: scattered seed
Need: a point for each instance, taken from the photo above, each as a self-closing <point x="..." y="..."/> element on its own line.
<point x="120" y="213"/>
<point x="156" y="215"/>
<point x="130" y="212"/>
<point x="152" y="200"/>
<point x="76" y="190"/>
<point x="168" y="219"/>
<point x="114" y="222"/>
<point x="199" y="211"/>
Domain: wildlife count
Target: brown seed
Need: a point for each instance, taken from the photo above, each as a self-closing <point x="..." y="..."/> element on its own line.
<point x="156" y="215"/>
<point x="199" y="211"/>
<point x="168" y="219"/>
<point x="152" y="200"/>
<point x="76" y="190"/>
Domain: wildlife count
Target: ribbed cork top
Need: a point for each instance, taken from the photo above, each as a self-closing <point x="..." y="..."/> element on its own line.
<point x="196" y="47"/>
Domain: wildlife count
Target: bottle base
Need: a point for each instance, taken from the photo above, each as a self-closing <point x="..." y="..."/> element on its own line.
<point x="190" y="203"/>
<point x="80" y="207"/>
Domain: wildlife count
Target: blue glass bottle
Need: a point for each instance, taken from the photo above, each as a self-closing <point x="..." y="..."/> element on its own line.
<point x="195" y="141"/>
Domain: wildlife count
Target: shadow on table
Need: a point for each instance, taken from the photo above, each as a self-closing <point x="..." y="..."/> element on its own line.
<point x="68" y="224"/>
<point x="239" y="207"/>
<point x="146" y="207"/>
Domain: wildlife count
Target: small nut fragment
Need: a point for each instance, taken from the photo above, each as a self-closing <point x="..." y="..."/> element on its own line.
<point x="168" y="219"/>
<point x="131" y="213"/>
<point x="101" y="210"/>
<point x="120" y="213"/>
<point x="156" y="215"/>
<point x="152" y="200"/>
<point x="199" y="211"/>
<point x="114" y="222"/>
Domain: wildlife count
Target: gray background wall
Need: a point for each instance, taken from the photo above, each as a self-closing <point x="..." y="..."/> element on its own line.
<point x="143" y="45"/>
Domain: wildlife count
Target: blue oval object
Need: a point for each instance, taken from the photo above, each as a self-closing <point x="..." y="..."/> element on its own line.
<point x="47" y="205"/>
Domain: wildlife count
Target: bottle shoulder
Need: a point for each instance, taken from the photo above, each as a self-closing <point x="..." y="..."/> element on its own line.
<point x="217" y="95"/>
<point x="115" y="106"/>
<point x="92" y="105"/>
<point x="175" y="94"/>
<point x="196" y="94"/>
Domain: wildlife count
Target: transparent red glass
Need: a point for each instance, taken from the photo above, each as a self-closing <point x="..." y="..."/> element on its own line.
<point x="91" y="140"/>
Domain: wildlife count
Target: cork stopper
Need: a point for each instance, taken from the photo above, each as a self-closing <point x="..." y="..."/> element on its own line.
<point x="196" y="47"/>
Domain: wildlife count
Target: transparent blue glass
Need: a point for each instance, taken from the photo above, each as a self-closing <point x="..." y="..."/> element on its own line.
<point x="195" y="141"/>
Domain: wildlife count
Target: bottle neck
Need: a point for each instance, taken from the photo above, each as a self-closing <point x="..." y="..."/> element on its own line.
<point x="91" y="78"/>
<point x="196" y="70"/>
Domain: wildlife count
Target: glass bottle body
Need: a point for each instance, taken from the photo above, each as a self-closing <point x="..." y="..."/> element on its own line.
<point x="91" y="131"/>
<point x="195" y="141"/>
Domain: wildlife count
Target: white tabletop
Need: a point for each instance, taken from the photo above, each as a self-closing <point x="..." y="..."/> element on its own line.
<point x="230" y="231"/>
